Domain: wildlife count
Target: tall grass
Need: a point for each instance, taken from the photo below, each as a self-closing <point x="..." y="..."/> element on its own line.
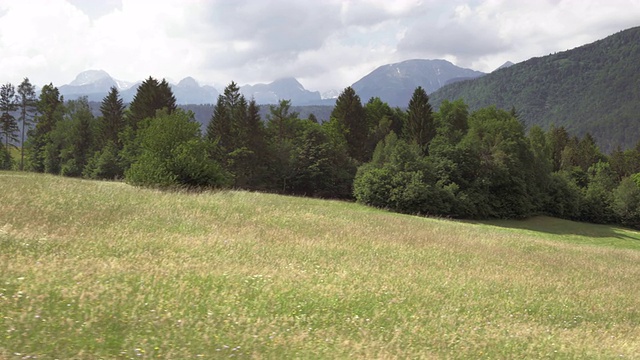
<point x="105" y="270"/>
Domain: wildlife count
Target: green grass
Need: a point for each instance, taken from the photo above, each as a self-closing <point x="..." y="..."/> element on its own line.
<point x="105" y="270"/>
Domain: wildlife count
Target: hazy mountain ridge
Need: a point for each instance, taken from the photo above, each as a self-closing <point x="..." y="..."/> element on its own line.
<point x="592" y="88"/>
<point x="281" y="89"/>
<point x="395" y="83"/>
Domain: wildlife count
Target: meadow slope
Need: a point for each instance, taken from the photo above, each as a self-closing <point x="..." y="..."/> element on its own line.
<point x="105" y="270"/>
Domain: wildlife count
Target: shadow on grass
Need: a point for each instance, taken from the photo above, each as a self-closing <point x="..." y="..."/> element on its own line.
<point x="562" y="227"/>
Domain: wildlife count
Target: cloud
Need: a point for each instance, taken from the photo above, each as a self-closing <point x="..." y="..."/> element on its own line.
<point x="326" y="44"/>
<point x="484" y="34"/>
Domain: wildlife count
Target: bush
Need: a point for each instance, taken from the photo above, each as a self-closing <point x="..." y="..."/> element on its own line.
<point x="626" y="203"/>
<point x="174" y="154"/>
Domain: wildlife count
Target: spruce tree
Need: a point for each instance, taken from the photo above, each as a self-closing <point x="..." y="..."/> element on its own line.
<point x="228" y="123"/>
<point x="150" y="97"/>
<point x="112" y="121"/>
<point x="78" y="143"/>
<point x="50" y="107"/>
<point x="26" y="99"/>
<point x="421" y="127"/>
<point x="8" y="122"/>
<point x="352" y="121"/>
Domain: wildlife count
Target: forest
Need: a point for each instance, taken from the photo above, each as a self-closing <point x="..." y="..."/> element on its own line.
<point x="448" y="163"/>
<point x="590" y="89"/>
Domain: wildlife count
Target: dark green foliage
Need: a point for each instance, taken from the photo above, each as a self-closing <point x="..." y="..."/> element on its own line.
<point x="239" y="137"/>
<point x="321" y="166"/>
<point x="400" y="178"/>
<point x="6" y="162"/>
<point x="42" y="148"/>
<point x="452" y="120"/>
<point x="626" y="203"/>
<point x="282" y="123"/>
<point x="381" y="120"/>
<point x="500" y="162"/>
<point x="26" y="99"/>
<point x="105" y="164"/>
<point x="8" y="123"/>
<point x="420" y="127"/>
<point x="352" y="120"/>
<point x="599" y="194"/>
<point x="590" y="89"/>
<point x="174" y="154"/>
<point x="564" y="198"/>
<point x="625" y="163"/>
<point x="558" y="139"/>
<point x="150" y="97"/>
<point x="112" y="120"/>
<point x="77" y="145"/>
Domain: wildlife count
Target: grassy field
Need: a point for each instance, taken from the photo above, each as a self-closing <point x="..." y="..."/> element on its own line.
<point x="105" y="270"/>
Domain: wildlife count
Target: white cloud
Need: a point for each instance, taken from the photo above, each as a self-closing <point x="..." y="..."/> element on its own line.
<point x="325" y="44"/>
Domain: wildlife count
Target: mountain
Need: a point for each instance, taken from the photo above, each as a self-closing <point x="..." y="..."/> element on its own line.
<point x="395" y="83"/>
<point x="505" y="65"/>
<point x="286" y="88"/>
<point x="95" y="84"/>
<point x="593" y="88"/>
<point x="188" y="91"/>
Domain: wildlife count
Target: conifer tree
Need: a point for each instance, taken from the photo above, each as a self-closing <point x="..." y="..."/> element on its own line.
<point x="150" y="97"/>
<point x="112" y="121"/>
<point x="26" y="99"/>
<point x="50" y="107"/>
<point x="421" y="127"/>
<point x="8" y="122"/>
<point x="351" y="119"/>
<point x="228" y="125"/>
<point x="78" y="145"/>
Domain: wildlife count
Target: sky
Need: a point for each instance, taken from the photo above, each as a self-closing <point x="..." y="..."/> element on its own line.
<point x="325" y="44"/>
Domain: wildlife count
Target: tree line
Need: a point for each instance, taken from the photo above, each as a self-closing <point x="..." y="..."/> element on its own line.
<point x="450" y="162"/>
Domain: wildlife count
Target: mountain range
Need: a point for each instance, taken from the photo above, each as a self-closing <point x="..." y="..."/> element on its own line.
<point x="393" y="83"/>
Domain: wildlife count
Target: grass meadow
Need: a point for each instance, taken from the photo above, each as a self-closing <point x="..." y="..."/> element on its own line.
<point x="105" y="270"/>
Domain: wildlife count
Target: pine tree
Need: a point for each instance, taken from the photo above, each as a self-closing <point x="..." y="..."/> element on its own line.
<point x="27" y="104"/>
<point x="280" y="120"/>
<point x="150" y="97"/>
<point x="351" y="119"/>
<point x="228" y="123"/>
<point x="112" y="121"/>
<point x="50" y="106"/>
<point x="8" y="122"/>
<point x="421" y="127"/>
<point x="77" y="144"/>
<point x="219" y="127"/>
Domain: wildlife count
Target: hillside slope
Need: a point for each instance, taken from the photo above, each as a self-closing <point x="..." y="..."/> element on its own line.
<point x="594" y="88"/>
<point x="105" y="270"/>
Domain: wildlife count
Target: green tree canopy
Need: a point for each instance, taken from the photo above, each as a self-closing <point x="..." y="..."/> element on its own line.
<point x="351" y="118"/>
<point x="420" y="126"/>
<point x="26" y="99"/>
<point x="150" y="97"/>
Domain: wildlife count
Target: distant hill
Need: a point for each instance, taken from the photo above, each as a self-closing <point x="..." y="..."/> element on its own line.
<point x="395" y="83"/>
<point x="282" y="89"/>
<point x="594" y="88"/>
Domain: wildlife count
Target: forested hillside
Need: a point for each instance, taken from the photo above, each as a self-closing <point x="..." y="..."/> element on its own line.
<point x="591" y="89"/>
